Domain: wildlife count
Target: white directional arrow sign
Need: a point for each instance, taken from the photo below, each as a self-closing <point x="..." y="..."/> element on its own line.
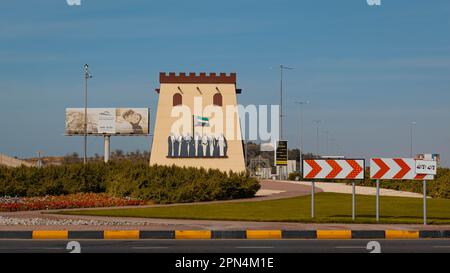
<point x="333" y="169"/>
<point x="396" y="169"/>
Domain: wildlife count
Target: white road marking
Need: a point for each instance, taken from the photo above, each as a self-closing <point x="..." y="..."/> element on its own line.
<point x="149" y="247"/>
<point x="254" y="247"/>
<point x="47" y="248"/>
<point x="351" y="247"/>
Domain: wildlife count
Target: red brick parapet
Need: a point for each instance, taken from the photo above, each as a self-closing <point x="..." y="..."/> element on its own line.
<point x="194" y="78"/>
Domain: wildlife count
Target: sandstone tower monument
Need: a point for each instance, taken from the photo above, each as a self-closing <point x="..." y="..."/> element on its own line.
<point x="195" y="123"/>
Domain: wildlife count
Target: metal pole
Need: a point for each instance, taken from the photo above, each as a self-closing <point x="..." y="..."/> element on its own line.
<point x="301" y="137"/>
<point x="411" y="135"/>
<point x="313" y="191"/>
<point x="317" y="137"/>
<point x="301" y="103"/>
<point x="281" y="102"/>
<point x="378" y="201"/>
<point x="87" y="76"/>
<point x="353" y="201"/>
<point x="246" y="153"/>
<point x="424" y="202"/>
<point x="411" y="148"/>
<point x="107" y="145"/>
<point x="85" y="112"/>
<point x="281" y="168"/>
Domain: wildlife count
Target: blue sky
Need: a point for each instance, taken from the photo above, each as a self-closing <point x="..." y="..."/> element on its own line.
<point x="368" y="71"/>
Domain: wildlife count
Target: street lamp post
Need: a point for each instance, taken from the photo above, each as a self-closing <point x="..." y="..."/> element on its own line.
<point x="282" y="67"/>
<point x="411" y="135"/>
<point x="317" y="135"/>
<point x="87" y="76"/>
<point x="301" y="103"/>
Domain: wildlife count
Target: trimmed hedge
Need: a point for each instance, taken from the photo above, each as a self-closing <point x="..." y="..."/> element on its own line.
<point x="161" y="184"/>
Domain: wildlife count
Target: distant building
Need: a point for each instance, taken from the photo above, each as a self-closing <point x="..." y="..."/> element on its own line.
<point x="206" y="139"/>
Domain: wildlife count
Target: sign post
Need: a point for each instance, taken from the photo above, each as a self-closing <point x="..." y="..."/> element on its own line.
<point x="334" y="169"/>
<point x="313" y="192"/>
<point x="426" y="167"/>
<point x="378" y="201"/>
<point x="353" y="201"/>
<point x="107" y="146"/>
<point x="403" y="169"/>
<point x="424" y="202"/>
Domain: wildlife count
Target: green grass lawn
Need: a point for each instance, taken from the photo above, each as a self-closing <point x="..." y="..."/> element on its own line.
<point x="330" y="208"/>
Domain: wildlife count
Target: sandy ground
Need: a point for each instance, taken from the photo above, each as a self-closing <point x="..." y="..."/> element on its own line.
<point x="269" y="190"/>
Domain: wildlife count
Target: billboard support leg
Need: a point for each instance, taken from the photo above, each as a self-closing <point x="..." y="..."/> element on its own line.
<point x="107" y="145"/>
<point x="378" y="202"/>
<point x="313" y="191"/>
<point x="424" y="202"/>
<point x="353" y="201"/>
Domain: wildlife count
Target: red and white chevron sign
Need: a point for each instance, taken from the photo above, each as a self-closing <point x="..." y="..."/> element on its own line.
<point x="333" y="168"/>
<point x="396" y="169"/>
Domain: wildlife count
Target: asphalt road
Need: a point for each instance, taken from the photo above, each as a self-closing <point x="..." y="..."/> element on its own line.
<point x="226" y="246"/>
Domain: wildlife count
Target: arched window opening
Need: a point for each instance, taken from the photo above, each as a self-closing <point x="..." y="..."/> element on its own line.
<point x="177" y="99"/>
<point x="217" y="99"/>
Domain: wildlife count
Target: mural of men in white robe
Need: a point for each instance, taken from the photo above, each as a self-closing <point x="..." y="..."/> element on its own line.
<point x="172" y="145"/>
<point x="188" y="140"/>
<point x="179" y="139"/>
<point x="196" y="143"/>
<point x="197" y="146"/>
<point x="204" y="145"/>
<point x="212" y="144"/>
<point x="221" y="143"/>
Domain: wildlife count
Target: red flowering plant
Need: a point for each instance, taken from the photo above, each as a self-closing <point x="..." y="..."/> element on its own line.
<point x="79" y="200"/>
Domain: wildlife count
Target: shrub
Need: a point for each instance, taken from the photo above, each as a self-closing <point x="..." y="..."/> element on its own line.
<point x="295" y="176"/>
<point x="161" y="184"/>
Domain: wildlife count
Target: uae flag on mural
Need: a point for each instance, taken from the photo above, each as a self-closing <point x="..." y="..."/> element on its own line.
<point x="201" y="121"/>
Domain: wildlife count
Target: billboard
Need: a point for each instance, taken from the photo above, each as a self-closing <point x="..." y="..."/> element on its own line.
<point x="108" y="121"/>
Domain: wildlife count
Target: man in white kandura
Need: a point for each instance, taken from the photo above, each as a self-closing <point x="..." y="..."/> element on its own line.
<point x="172" y="143"/>
<point x="212" y="144"/>
<point x="180" y="140"/>
<point x="204" y="144"/>
<point x="221" y="143"/>
<point x="188" y="140"/>
<point x="196" y="141"/>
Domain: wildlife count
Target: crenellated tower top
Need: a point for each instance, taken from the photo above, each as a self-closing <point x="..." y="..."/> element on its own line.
<point x="212" y="78"/>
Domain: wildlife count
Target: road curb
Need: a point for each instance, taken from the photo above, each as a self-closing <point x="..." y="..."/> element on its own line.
<point x="224" y="234"/>
<point x="50" y="234"/>
<point x="402" y="234"/>
<point x="264" y="234"/>
<point x="334" y="234"/>
<point x="193" y="234"/>
<point x="121" y="234"/>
